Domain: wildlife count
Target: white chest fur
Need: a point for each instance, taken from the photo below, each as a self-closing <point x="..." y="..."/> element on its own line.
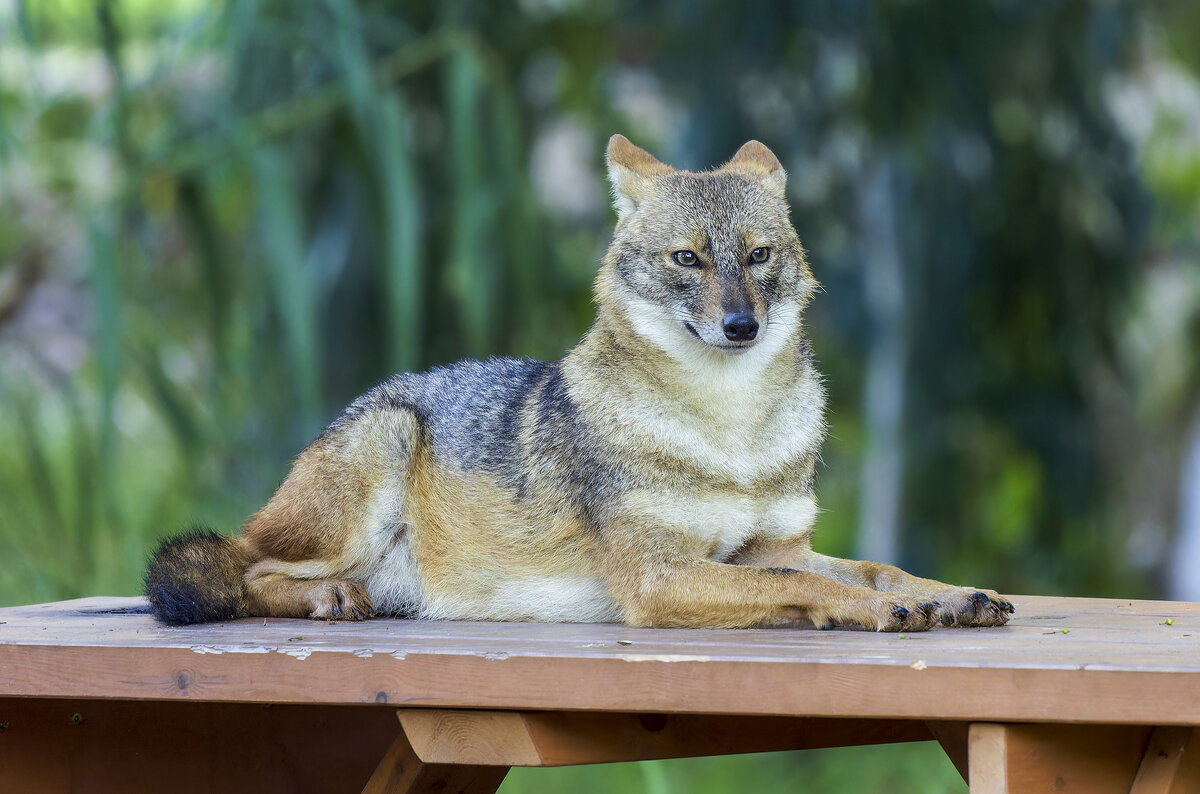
<point x="734" y="417"/>
<point x="745" y="443"/>
<point x="717" y="525"/>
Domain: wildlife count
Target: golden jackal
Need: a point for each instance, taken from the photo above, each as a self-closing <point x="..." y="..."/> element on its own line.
<point x="660" y="474"/>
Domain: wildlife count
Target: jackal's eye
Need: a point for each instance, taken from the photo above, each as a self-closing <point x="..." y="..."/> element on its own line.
<point x="760" y="255"/>
<point x="686" y="258"/>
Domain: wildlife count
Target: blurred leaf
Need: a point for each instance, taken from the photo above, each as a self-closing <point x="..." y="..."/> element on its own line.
<point x="293" y="291"/>
<point x="401" y="235"/>
<point x="173" y="405"/>
<point x="471" y="267"/>
<point x="106" y="299"/>
<point x="213" y="278"/>
<point x="36" y="464"/>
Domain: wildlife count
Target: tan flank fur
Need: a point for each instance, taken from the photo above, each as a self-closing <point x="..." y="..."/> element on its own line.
<point x="660" y="474"/>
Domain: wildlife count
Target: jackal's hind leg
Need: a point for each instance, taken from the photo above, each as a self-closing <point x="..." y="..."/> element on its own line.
<point x="334" y="516"/>
<point x="281" y="596"/>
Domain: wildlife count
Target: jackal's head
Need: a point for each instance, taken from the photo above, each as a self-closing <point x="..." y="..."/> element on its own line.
<point x="704" y="261"/>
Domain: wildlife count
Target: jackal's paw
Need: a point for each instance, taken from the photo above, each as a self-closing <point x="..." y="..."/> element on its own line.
<point x="967" y="606"/>
<point x="339" y="599"/>
<point x="886" y="612"/>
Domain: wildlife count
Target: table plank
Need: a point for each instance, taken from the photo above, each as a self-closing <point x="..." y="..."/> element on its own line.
<point x="124" y="747"/>
<point x="1120" y="661"/>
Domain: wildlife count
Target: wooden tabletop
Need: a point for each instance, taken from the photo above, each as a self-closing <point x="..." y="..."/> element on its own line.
<point x="1058" y="660"/>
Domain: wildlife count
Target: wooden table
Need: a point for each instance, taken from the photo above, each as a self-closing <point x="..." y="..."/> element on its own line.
<point x="1074" y="695"/>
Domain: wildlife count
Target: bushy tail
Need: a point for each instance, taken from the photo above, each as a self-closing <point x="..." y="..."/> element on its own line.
<point x="198" y="577"/>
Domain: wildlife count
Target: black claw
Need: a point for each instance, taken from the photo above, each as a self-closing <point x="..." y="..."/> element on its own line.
<point x="827" y="625"/>
<point x="929" y="607"/>
<point x="1008" y="607"/>
<point x="979" y="605"/>
<point x="947" y="619"/>
<point x="900" y="613"/>
<point x="337" y="610"/>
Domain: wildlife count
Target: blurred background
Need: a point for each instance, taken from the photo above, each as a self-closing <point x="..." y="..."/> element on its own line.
<point x="221" y="221"/>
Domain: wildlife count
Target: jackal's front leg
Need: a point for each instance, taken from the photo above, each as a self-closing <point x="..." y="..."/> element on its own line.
<point x="658" y="580"/>
<point x="703" y="594"/>
<point x="956" y="606"/>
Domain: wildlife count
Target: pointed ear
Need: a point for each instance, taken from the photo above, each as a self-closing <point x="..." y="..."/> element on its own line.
<point x="630" y="170"/>
<point x="756" y="160"/>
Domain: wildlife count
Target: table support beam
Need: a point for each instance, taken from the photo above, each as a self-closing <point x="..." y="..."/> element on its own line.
<point x="1171" y="764"/>
<point x="952" y="736"/>
<point x="532" y="738"/>
<point x="401" y="772"/>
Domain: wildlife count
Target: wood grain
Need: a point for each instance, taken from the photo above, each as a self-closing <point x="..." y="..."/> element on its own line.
<point x="134" y="747"/>
<point x="489" y="738"/>
<point x="401" y="772"/>
<point x="988" y="759"/>
<point x="1171" y="764"/>
<point x="533" y="738"/>
<point x="1119" y="662"/>
<point x="1013" y="759"/>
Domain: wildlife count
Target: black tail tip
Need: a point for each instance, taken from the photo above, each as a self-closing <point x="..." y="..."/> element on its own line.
<point x="197" y="577"/>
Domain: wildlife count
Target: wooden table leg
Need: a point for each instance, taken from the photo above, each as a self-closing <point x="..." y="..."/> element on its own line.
<point x="952" y="736"/>
<point x="1171" y="764"/>
<point x="401" y="772"/>
<point x="1051" y="757"/>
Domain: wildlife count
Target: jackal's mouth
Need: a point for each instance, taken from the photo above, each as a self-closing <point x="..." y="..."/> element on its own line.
<point x="723" y="345"/>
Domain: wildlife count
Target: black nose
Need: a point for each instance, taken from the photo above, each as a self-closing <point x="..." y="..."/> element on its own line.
<point x="740" y="326"/>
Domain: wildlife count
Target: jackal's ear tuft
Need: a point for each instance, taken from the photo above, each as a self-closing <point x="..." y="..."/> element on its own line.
<point x="755" y="159"/>
<point x="630" y="170"/>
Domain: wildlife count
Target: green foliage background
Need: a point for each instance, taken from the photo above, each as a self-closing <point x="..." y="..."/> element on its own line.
<point x="219" y="222"/>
